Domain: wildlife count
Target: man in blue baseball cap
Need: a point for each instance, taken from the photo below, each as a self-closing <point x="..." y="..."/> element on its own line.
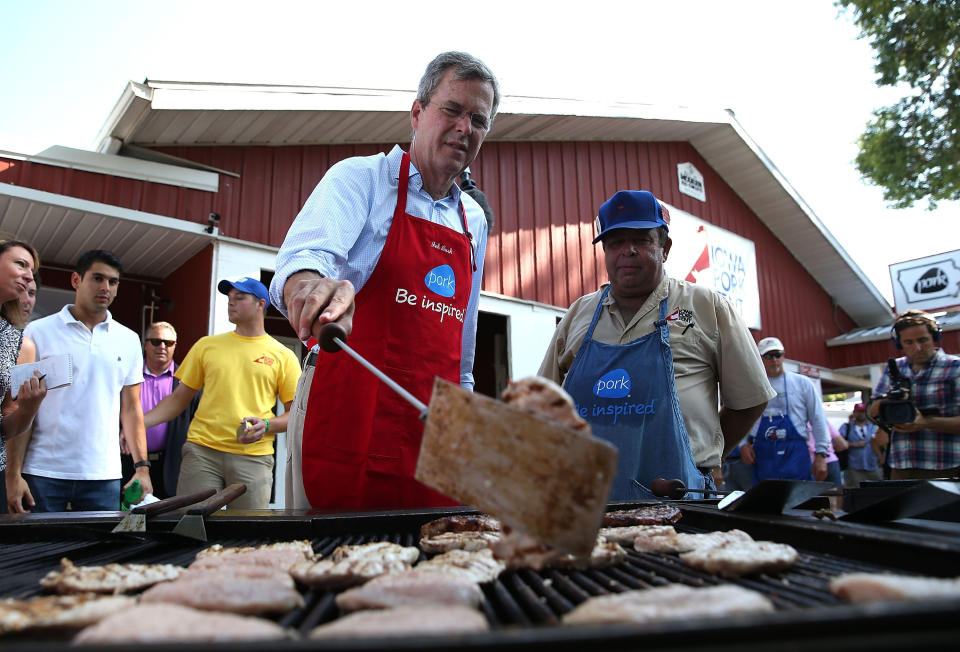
<point x="242" y="374"/>
<point x="646" y="357"/>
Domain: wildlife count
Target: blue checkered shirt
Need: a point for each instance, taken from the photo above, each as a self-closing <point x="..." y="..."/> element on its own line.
<point x="936" y="386"/>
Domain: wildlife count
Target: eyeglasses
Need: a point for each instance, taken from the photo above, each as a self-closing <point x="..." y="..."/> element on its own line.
<point x="772" y="355"/>
<point x="156" y="341"/>
<point x="453" y="112"/>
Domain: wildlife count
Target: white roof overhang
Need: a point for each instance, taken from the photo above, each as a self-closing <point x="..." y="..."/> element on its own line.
<point x="64" y="227"/>
<point x="161" y="113"/>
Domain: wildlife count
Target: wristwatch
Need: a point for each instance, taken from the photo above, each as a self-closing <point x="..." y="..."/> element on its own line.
<point x="823" y="455"/>
<point x="145" y="463"/>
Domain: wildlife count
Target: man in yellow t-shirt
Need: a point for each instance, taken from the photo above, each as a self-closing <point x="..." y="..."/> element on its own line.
<point x="242" y="374"/>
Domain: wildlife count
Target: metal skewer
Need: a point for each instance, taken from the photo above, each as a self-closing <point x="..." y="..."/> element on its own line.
<point x="332" y="339"/>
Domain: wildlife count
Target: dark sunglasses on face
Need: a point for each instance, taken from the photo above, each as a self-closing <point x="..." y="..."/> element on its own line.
<point x="156" y="341"/>
<point x="773" y="354"/>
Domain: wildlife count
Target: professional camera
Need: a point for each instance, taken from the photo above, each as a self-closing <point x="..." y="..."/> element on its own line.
<point x="897" y="408"/>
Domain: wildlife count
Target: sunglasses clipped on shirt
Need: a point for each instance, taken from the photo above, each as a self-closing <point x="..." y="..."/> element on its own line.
<point x="156" y="341"/>
<point x="773" y="354"/>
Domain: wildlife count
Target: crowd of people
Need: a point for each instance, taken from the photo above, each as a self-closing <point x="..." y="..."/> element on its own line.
<point x="664" y="369"/>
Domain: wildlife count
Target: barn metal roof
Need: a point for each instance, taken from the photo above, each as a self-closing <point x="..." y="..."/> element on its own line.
<point x="169" y="113"/>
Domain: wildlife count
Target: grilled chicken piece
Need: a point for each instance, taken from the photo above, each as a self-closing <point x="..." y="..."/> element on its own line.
<point x="670" y="602"/>
<point x="281" y="555"/>
<point x="660" y="514"/>
<point x="736" y="558"/>
<point x="59" y="611"/>
<point x="447" y="541"/>
<point x="544" y="399"/>
<point x="110" y="578"/>
<point x="405" y="621"/>
<point x="628" y="534"/>
<point x="163" y="623"/>
<point x="413" y="587"/>
<point x="883" y="587"/>
<point x="460" y="523"/>
<point x="352" y="565"/>
<point x="477" y="565"/>
<point x="683" y="542"/>
<point x="226" y="591"/>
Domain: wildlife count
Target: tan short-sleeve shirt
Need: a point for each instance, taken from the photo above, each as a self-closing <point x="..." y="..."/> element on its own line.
<point x="717" y="350"/>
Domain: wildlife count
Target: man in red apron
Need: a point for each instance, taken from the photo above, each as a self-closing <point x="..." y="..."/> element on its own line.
<point x="645" y="356"/>
<point x="389" y="247"/>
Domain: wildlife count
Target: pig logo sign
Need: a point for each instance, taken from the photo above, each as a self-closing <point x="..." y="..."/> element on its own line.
<point x="441" y="280"/>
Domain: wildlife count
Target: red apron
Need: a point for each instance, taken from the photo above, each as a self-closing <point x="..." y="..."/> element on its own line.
<point x="360" y="439"/>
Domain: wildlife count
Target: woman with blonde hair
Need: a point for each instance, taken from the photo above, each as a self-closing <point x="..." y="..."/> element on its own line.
<point x="18" y="262"/>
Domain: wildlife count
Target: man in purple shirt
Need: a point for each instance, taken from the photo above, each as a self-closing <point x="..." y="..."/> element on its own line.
<point x="163" y="440"/>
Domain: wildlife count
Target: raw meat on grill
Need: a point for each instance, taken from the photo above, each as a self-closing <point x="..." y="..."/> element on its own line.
<point x="628" y="534"/>
<point x="736" y="558"/>
<point x="165" y="623"/>
<point x="413" y="587"/>
<point x="477" y="565"/>
<point x="59" y="611"/>
<point x="110" y="578"/>
<point x="227" y="591"/>
<point x="659" y="514"/>
<point x="352" y="565"/>
<point x="684" y="542"/>
<point x="670" y="602"/>
<point x="469" y="540"/>
<point x="404" y="621"/>
<point x="544" y="399"/>
<point x="460" y="523"/>
<point x="883" y="587"/>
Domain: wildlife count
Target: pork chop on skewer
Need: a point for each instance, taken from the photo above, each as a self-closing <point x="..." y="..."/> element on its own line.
<point x="545" y="399"/>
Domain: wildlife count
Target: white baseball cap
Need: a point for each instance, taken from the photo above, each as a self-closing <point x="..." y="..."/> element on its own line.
<point x="768" y="344"/>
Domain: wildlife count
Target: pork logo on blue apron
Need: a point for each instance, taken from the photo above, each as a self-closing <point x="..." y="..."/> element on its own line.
<point x="441" y="280"/>
<point x="613" y="384"/>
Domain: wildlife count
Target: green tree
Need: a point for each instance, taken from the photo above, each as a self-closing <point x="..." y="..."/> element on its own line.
<point x="912" y="149"/>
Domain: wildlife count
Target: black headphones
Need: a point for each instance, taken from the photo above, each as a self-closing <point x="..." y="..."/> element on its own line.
<point x="915" y="318"/>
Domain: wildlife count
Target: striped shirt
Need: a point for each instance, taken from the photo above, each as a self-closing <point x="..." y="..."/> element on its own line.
<point x="936" y="386"/>
<point x="342" y="229"/>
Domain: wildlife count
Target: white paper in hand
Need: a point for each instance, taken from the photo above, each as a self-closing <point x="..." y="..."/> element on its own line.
<point x="58" y="370"/>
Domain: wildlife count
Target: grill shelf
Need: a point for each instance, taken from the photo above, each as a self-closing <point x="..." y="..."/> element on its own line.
<point x="525" y="607"/>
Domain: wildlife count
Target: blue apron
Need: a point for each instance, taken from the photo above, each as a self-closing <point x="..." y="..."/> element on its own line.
<point x="627" y="394"/>
<point x="782" y="453"/>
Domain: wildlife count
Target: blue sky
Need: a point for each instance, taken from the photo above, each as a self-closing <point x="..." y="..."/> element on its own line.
<point x="795" y="74"/>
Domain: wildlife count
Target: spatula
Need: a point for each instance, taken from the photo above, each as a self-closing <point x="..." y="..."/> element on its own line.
<point x="548" y="481"/>
<point x="191" y="523"/>
<point x="136" y="520"/>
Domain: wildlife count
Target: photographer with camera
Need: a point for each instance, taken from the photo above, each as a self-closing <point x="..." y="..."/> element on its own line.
<point x="918" y="402"/>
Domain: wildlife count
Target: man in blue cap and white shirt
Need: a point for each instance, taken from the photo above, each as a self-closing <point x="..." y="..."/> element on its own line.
<point x="645" y="356"/>
<point x="242" y="374"/>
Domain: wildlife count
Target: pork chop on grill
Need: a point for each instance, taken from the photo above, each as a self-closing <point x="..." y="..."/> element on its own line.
<point x="659" y="514"/>
<point x="476" y="565"/>
<point x="281" y="555"/>
<point x="59" y="611"/>
<point x="628" y="534"/>
<point x="545" y="399"/>
<point x="883" y="587"/>
<point x="683" y="542"/>
<point x="736" y="558"/>
<point x="467" y="540"/>
<point x="460" y="523"/>
<point x="409" y="588"/>
<point x="164" y="623"/>
<point x="405" y="621"/>
<point x="518" y="550"/>
<point x="226" y="591"/>
<point x="669" y="602"/>
<point x="352" y="565"/>
<point x="110" y="578"/>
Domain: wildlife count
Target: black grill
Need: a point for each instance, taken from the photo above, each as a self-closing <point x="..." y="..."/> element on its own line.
<point x="525" y="607"/>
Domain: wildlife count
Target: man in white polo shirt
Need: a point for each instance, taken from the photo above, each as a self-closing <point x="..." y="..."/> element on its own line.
<point x="73" y="455"/>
